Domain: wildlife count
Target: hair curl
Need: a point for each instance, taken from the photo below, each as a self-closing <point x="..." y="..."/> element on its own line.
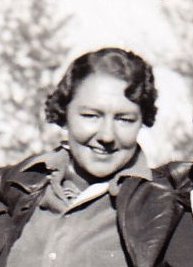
<point x="115" y="62"/>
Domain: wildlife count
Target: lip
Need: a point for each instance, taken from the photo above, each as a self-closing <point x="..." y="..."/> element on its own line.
<point x="101" y="151"/>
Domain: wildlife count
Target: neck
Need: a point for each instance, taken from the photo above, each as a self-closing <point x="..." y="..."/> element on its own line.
<point x="87" y="178"/>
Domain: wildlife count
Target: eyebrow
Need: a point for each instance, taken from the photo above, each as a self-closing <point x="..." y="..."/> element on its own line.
<point x="89" y="108"/>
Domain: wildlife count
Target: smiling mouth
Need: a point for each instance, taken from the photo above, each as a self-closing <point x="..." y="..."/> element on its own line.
<point x="102" y="151"/>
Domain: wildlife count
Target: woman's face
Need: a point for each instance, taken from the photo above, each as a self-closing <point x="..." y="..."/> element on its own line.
<point x="102" y="125"/>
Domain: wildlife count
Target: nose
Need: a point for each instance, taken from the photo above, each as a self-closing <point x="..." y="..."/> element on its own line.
<point x="106" y="132"/>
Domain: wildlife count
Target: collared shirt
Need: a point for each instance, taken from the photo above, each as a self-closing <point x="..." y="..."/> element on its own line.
<point x="74" y="228"/>
<point x="84" y="235"/>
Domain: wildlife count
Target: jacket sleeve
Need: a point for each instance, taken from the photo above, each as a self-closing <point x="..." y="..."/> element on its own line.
<point x="20" y="187"/>
<point x="181" y="178"/>
<point x="6" y="223"/>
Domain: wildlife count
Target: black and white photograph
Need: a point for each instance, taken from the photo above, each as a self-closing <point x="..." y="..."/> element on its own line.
<point x="96" y="133"/>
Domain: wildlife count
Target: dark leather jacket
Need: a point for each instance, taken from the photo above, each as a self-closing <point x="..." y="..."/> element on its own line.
<point x="154" y="217"/>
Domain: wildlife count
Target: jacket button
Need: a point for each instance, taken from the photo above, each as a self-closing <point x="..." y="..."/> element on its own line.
<point x="52" y="256"/>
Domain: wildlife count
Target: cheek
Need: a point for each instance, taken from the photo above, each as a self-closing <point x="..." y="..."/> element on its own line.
<point x="128" y="136"/>
<point x="80" y="132"/>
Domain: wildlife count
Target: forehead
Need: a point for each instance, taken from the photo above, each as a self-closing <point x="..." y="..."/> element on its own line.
<point x="102" y="91"/>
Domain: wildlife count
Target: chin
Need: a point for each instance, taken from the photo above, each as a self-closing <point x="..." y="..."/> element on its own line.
<point x="101" y="174"/>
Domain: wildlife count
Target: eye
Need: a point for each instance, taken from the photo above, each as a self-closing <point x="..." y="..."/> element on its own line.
<point x="89" y="115"/>
<point x="126" y="119"/>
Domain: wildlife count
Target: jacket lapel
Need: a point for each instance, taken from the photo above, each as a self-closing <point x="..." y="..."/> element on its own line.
<point x="148" y="213"/>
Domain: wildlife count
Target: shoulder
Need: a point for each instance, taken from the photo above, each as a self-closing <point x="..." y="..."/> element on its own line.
<point x="177" y="170"/>
<point x="155" y="212"/>
<point x="31" y="175"/>
<point x="22" y="185"/>
<point x="179" y="249"/>
<point x="44" y="163"/>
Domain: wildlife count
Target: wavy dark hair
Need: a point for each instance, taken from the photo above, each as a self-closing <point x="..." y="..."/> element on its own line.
<point x="112" y="61"/>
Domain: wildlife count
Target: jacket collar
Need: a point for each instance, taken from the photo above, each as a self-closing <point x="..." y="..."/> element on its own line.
<point x="138" y="167"/>
<point x="55" y="166"/>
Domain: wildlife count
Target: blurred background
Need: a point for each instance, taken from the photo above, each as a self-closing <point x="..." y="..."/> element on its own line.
<point x="38" y="40"/>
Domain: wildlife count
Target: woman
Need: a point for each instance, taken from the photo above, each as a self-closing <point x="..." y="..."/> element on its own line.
<point x="61" y="208"/>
